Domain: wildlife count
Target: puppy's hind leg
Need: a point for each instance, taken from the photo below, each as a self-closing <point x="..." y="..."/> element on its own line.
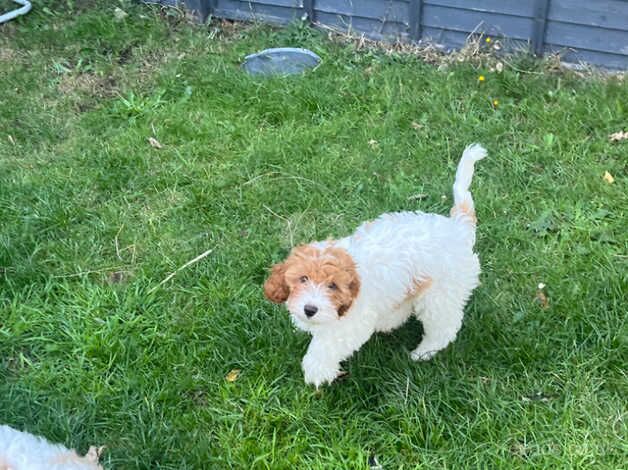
<point x="441" y="318"/>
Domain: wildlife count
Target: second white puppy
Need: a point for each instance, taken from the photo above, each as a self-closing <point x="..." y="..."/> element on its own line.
<point x="23" y="451"/>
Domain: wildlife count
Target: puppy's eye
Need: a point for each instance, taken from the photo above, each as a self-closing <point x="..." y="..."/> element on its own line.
<point x="332" y="286"/>
<point x="303" y="279"/>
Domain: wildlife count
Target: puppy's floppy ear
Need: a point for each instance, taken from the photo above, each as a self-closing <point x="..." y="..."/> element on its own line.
<point x="347" y="265"/>
<point x="275" y="288"/>
<point x="354" y="286"/>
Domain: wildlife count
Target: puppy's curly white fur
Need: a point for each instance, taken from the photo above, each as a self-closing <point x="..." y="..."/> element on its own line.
<point x="22" y="451"/>
<point x="342" y="291"/>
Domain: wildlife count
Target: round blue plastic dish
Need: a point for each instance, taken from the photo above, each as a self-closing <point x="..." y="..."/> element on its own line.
<point x="281" y="61"/>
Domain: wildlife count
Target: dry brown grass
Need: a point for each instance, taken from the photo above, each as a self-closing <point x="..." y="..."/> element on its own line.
<point x="88" y="83"/>
<point x="476" y="51"/>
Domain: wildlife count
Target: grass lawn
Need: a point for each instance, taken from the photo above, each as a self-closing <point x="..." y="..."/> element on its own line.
<point x="93" y="350"/>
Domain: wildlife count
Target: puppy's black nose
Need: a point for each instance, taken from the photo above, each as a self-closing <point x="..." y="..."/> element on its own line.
<point x="310" y="310"/>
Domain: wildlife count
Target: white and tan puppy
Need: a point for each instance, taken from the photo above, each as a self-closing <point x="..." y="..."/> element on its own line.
<point x="342" y="291"/>
<point x="23" y="451"/>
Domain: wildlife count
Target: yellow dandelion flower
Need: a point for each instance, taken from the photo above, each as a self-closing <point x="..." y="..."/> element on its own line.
<point x="488" y="40"/>
<point x="481" y="78"/>
<point x="495" y="103"/>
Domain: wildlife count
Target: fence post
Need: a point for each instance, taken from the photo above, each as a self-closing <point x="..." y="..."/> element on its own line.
<point x="211" y="6"/>
<point x="541" y="9"/>
<point x="416" y="15"/>
<point x="200" y="8"/>
<point x="308" y="9"/>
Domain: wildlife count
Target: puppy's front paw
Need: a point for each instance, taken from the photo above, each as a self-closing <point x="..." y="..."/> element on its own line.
<point x="423" y="353"/>
<point x="318" y="373"/>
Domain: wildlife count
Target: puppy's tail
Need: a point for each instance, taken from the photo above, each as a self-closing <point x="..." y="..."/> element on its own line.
<point x="463" y="208"/>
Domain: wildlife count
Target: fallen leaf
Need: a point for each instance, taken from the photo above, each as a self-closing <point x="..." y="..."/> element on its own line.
<point x="155" y="143"/>
<point x="416" y="126"/>
<point x="540" y="297"/>
<point x="608" y="177"/>
<point x="11" y="139"/>
<point x="233" y="375"/>
<point x="618" y="136"/>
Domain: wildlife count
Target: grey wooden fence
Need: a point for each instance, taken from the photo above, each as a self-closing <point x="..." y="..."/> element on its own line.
<point x="593" y="31"/>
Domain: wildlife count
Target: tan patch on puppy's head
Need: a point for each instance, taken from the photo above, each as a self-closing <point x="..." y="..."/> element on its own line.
<point x="332" y="269"/>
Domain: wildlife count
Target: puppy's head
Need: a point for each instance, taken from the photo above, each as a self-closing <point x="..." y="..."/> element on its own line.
<point x="318" y="286"/>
